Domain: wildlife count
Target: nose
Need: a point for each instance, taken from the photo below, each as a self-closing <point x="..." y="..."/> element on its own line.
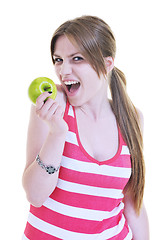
<point x="65" y="68"/>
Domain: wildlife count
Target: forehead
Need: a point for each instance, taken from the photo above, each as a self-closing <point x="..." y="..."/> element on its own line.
<point x="64" y="46"/>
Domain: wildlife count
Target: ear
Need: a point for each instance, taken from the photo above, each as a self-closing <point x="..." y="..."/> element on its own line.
<point x="109" y="61"/>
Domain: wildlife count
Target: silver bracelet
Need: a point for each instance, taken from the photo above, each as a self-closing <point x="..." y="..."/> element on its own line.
<point x="49" y="169"/>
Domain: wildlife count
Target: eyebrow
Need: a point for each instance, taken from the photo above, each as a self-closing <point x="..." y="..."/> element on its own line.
<point x="56" y="55"/>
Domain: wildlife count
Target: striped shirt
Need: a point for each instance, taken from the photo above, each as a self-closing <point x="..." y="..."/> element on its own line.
<point x="87" y="203"/>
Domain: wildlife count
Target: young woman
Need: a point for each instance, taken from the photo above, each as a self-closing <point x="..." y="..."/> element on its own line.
<point x="92" y="145"/>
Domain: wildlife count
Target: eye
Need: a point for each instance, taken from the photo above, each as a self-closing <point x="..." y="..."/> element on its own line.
<point x="77" y="58"/>
<point x="58" y="60"/>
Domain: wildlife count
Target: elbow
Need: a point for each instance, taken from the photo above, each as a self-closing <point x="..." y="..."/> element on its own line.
<point x="36" y="191"/>
<point x="35" y="201"/>
<point x="33" y="197"/>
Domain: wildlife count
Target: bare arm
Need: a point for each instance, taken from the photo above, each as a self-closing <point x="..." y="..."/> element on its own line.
<point x="138" y="223"/>
<point x="46" y="137"/>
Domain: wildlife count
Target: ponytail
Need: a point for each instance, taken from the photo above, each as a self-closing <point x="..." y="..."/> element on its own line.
<point x="128" y="120"/>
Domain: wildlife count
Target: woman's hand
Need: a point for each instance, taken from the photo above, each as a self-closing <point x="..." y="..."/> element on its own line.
<point x="51" y="112"/>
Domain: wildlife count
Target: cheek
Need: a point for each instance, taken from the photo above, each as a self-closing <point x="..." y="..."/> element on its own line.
<point x="57" y="71"/>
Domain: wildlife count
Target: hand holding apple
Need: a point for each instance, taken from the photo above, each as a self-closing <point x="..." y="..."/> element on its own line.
<point x="40" y="85"/>
<point x="40" y="90"/>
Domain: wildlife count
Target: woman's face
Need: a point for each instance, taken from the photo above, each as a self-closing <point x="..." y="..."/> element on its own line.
<point x="79" y="80"/>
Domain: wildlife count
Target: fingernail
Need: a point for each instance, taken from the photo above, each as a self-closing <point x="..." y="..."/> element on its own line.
<point x="50" y="92"/>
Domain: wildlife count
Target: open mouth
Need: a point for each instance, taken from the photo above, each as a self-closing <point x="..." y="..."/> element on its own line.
<point x="72" y="86"/>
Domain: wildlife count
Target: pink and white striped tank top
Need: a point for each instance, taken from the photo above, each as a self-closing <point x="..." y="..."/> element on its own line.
<point x="87" y="203"/>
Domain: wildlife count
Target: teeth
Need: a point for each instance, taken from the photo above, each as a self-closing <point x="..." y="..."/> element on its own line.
<point x="70" y="82"/>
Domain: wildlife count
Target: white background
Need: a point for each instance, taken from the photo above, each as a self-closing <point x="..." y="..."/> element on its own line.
<point x="25" y="33"/>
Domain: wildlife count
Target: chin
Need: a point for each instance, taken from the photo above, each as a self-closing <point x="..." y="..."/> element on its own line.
<point x="75" y="102"/>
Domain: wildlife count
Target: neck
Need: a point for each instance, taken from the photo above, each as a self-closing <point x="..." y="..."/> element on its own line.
<point x="97" y="108"/>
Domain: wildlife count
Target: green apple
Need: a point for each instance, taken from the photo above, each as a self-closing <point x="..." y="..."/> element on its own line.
<point x="40" y="85"/>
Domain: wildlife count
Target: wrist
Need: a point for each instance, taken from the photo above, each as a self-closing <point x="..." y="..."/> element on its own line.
<point x="50" y="169"/>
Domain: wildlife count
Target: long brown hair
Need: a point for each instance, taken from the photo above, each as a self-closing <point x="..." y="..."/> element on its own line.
<point x="96" y="41"/>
